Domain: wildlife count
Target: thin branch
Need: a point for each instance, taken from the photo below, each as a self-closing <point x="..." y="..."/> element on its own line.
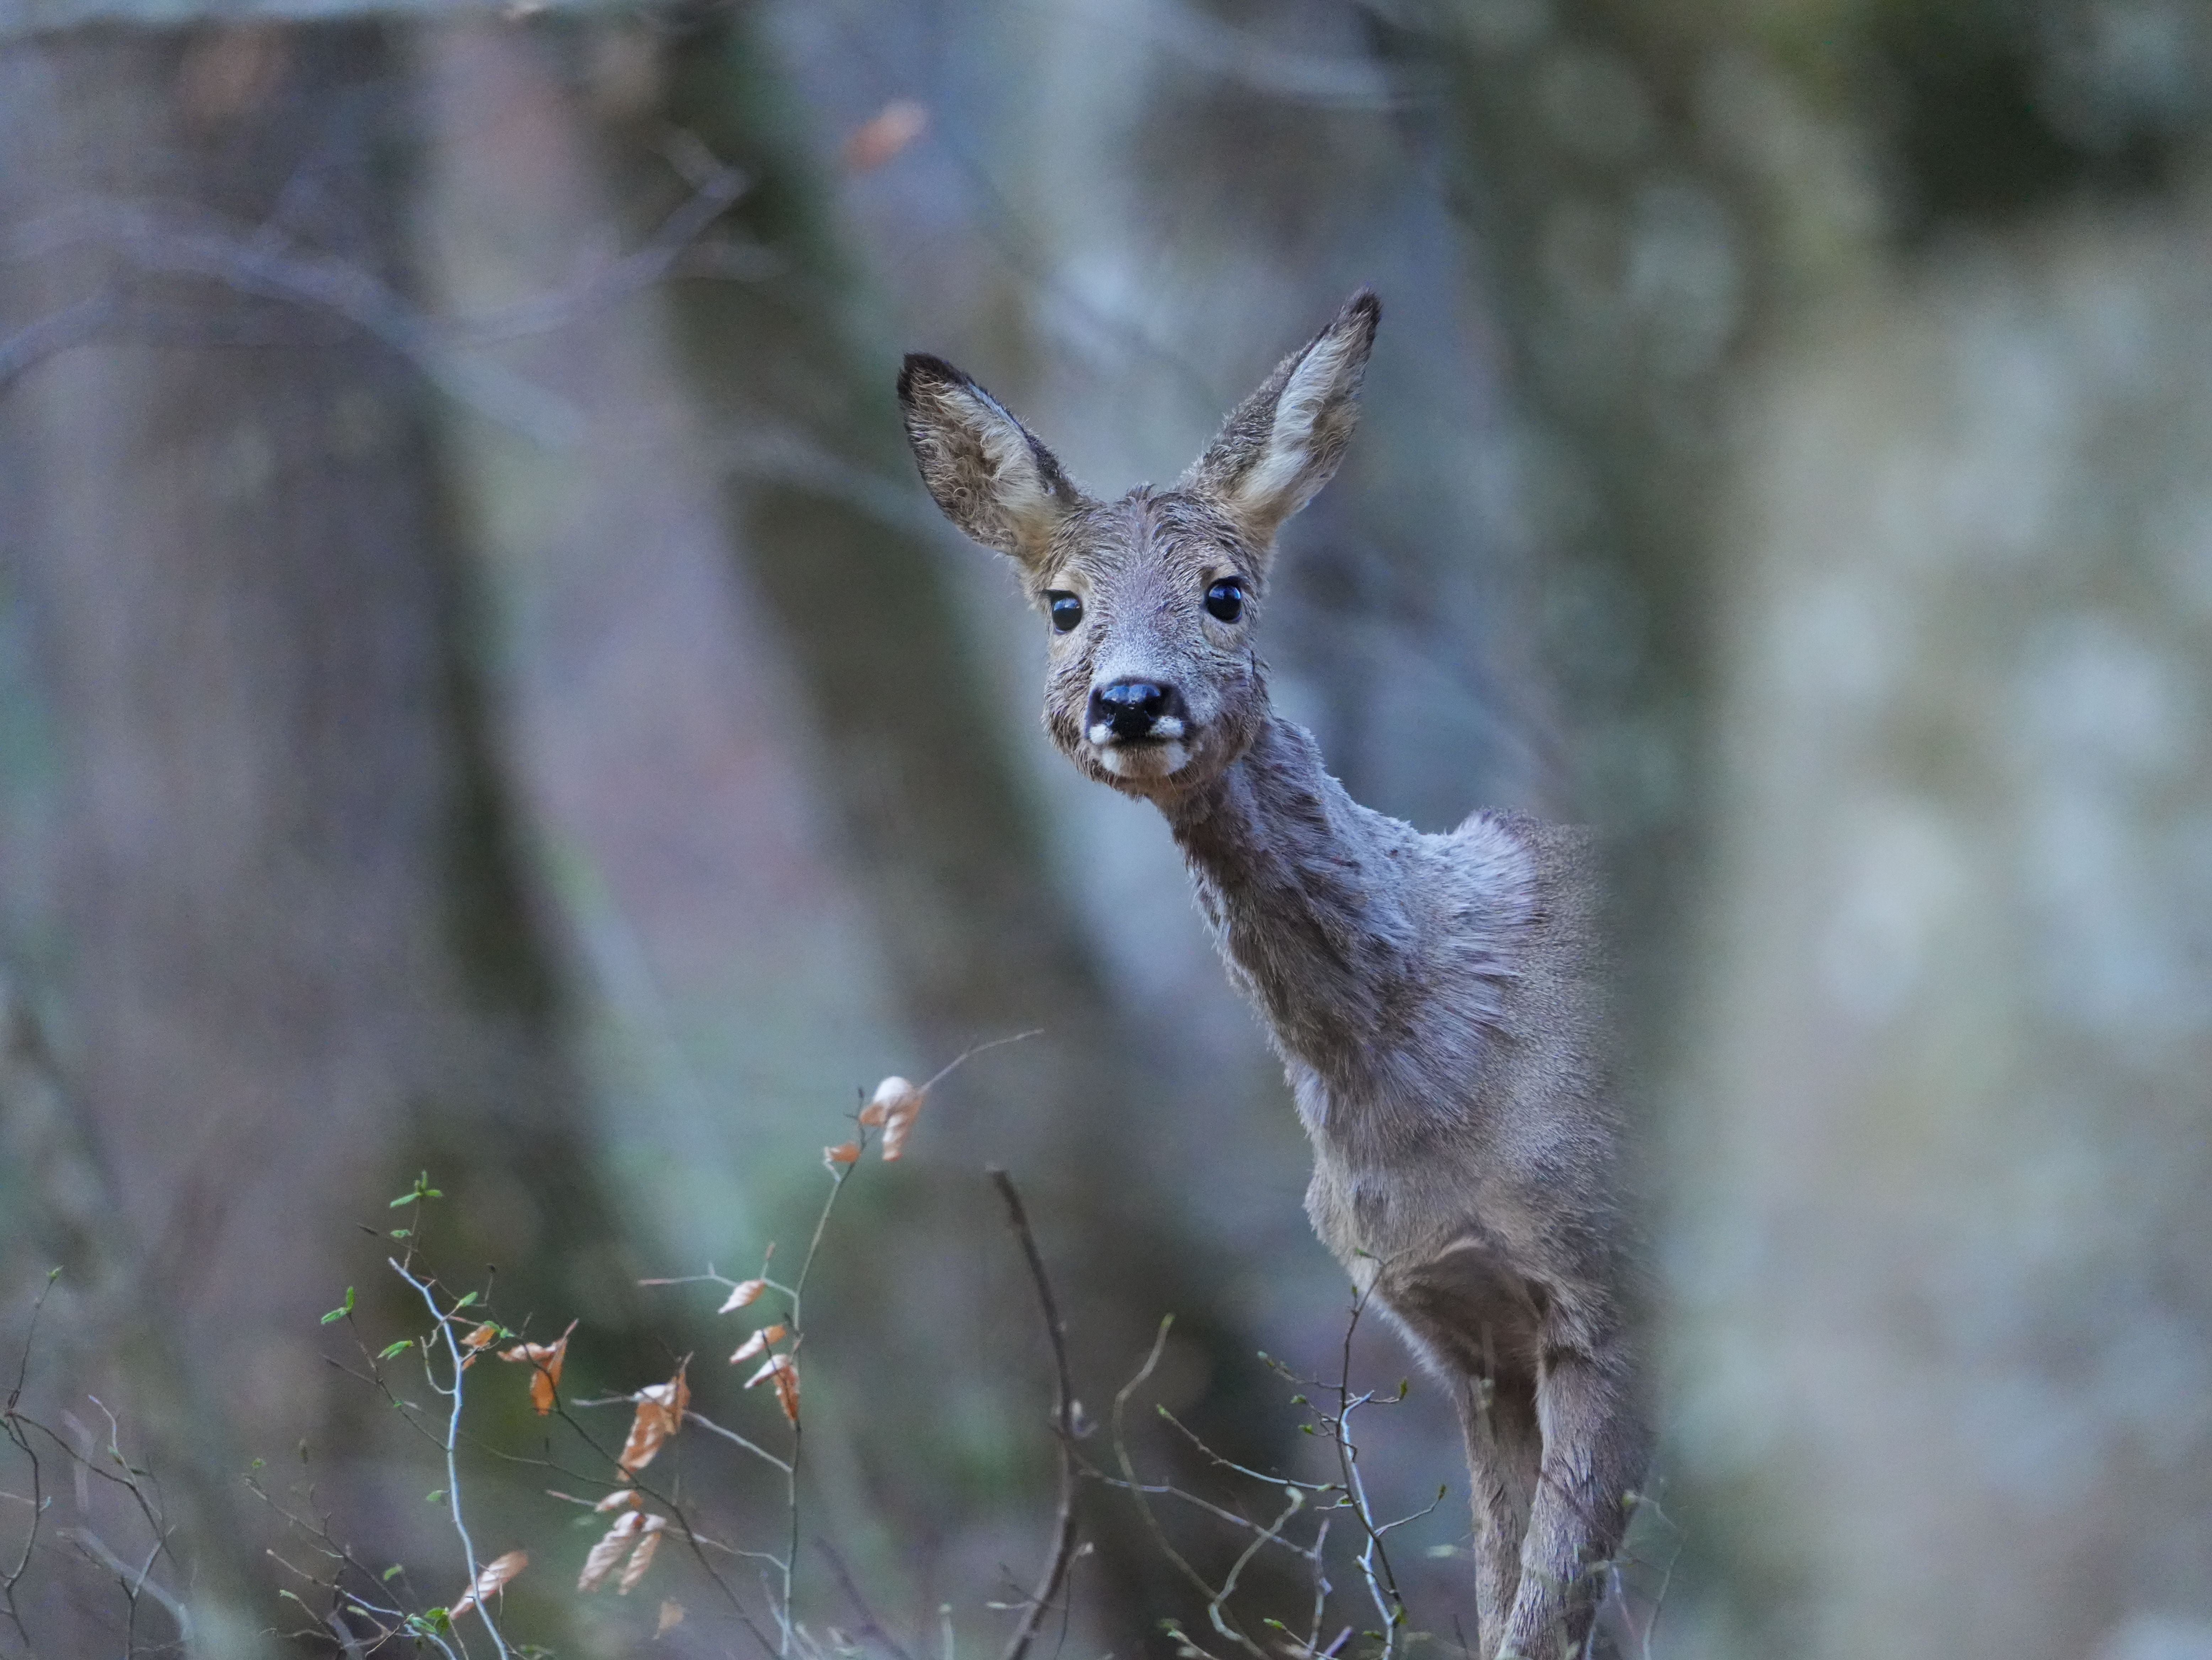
<point x="1063" y="1420"/>
<point x="268" y="263"/>
<point x="452" y="1441"/>
<point x="870" y="1626"/>
<point x="693" y="1415"/>
<point x="969" y="1054"/>
<point x="135" y="1581"/>
<point x="1137" y="1490"/>
<point x="56" y="331"/>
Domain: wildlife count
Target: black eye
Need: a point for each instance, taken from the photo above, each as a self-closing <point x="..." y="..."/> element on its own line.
<point x="1066" y="610"/>
<point x="1226" y="600"/>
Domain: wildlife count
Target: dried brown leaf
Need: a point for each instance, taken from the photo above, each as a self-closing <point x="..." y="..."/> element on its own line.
<point x="483" y="1334"/>
<point x="620" y="1499"/>
<point x="844" y="1153"/>
<point x="757" y="1343"/>
<point x="744" y="1292"/>
<point x="641" y="1557"/>
<point x="661" y="1409"/>
<point x="545" y="1360"/>
<point x="890" y="131"/>
<point x="490" y="1577"/>
<point x="610" y="1550"/>
<point x="671" y="1616"/>
<point x="787" y="1388"/>
<point x="783" y="1371"/>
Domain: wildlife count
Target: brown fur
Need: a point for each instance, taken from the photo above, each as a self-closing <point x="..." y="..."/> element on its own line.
<point x="1437" y="999"/>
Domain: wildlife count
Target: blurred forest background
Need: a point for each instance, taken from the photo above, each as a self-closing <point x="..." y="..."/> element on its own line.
<point x="482" y="690"/>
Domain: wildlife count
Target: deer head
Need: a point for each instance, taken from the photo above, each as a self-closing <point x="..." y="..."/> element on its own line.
<point x="1151" y="600"/>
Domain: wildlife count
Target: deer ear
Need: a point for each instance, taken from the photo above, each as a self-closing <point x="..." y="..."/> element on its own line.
<point x="1283" y="443"/>
<point x="989" y="474"/>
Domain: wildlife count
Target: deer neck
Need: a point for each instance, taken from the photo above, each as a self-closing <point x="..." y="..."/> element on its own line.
<point x="1307" y="892"/>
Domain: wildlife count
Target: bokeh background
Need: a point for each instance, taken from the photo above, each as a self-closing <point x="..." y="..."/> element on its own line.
<point x="482" y="690"/>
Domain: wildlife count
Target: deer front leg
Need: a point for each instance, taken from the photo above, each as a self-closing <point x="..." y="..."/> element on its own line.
<point x="1504" y="1449"/>
<point x="1594" y="1453"/>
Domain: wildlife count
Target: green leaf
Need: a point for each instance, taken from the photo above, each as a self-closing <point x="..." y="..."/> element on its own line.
<point x="342" y="1310"/>
<point x="403" y="1232"/>
<point x="433" y="1495"/>
<point x="390" y="1349"/>
<point x="467" y="1298"/>
<point x="390" y="1573"/>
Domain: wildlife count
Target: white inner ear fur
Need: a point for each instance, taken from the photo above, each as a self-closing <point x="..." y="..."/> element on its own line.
<point x="1273" y="484"/>
<point x="1017" y="485"/>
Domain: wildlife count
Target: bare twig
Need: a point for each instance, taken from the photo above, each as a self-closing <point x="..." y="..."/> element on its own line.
<point x="973" y="1051"/>
<point x="1063" y="1423"/>
<point x="135" y="1580"/>
<point x="870" y="1626"/>
<point x="1374" y="1560"/>
<point x="1137" y="1491"/>
<point x="266" y="261"/>
<point x="445" y="1324"/>
<point x="56" y="331"/>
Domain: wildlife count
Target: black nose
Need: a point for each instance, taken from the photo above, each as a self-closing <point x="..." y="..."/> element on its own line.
<point x="1130" y="708"/>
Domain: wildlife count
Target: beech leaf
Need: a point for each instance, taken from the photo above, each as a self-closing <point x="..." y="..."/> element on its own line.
<point x="491" y="1577"/>
<point x="744" y="1292"/>
<point x="545" y="1360"/>
<point x="641" y="1557"/>
<point x="610" y="1550"/>
<point x="661" y="1409"/>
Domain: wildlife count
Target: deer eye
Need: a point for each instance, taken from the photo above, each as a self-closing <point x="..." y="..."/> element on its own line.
<point x="1224" y="601"/>
<point x="1067" y="611"/>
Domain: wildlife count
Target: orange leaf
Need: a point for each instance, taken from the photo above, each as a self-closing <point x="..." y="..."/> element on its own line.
<point x="620" y="1499"/>
<point x="843" y="1152"/>
<point x="483" y="1334"/>
<point x="545" y="1360"/>
<point x="671" y="1616"/>
<point x="754" y="1344"/>
<point x="661" y="1409"/>
<point x="641" y="1557"/>
<point x="746" y="1291"/>
<point x="890" y="131"/>
<point x="490" y="1577"/>
<point x="610" y="1550"/>
<point x="785" y="1372"/>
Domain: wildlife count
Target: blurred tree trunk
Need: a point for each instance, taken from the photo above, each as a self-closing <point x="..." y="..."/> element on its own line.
<point x="1941" y="1247"/>
<point x="913" y="753"/>
<point x="1881" y="600"/>
<point x="297" y="952"/>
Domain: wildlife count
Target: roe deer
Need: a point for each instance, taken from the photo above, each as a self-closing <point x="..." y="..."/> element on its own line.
<point x="1436" y="999"/>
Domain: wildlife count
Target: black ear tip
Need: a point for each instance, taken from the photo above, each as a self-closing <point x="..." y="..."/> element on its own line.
<point x="921" y="369"/>
<point x="1366" y="306"/>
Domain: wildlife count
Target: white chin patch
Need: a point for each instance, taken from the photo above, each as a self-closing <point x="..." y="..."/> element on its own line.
<point x="1142" y="761"/>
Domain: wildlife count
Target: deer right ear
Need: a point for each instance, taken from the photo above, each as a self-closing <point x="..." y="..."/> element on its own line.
<point x="989" y="474"/>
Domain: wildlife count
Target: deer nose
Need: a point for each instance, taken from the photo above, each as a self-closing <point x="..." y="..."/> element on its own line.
<point x="1130" y="708"/>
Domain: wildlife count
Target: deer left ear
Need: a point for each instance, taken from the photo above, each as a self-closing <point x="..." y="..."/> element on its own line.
<point x="1283" y="443"/>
